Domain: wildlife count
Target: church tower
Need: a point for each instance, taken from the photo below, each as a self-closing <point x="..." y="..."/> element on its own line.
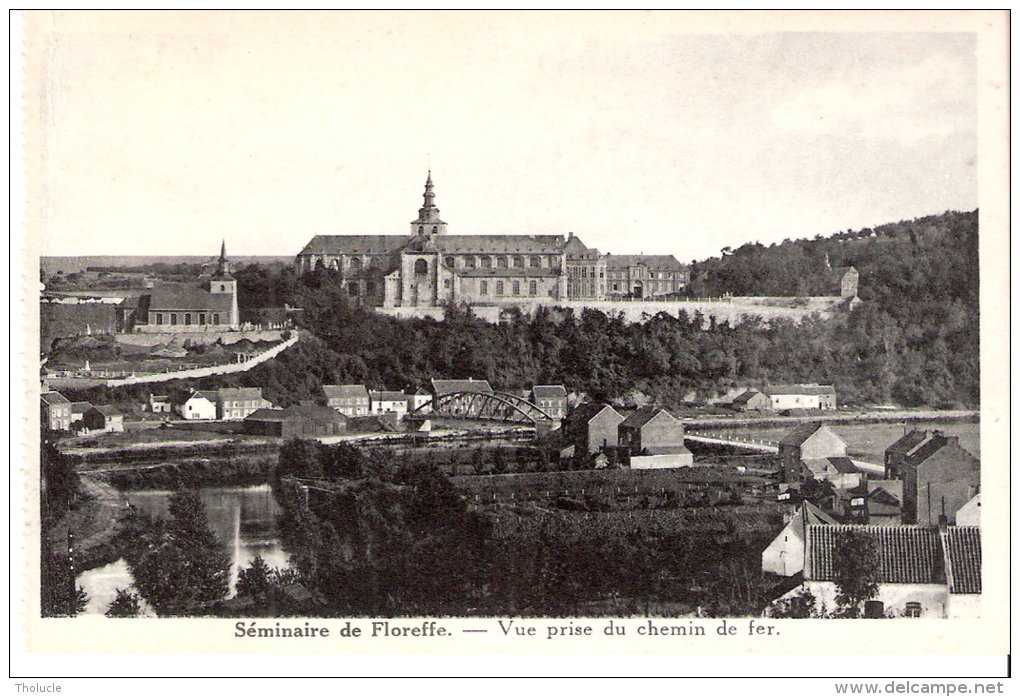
<point x="222" y="283"/>
<point x="428" y="222"/>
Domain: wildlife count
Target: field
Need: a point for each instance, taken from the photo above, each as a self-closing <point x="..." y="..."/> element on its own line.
<point x="870" y="440"/>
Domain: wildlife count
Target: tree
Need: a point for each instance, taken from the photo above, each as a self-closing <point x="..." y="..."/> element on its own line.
<point x="855" y="567"/>
<point x="803" y="605"/>
<point x="256" y="579"/>
<point x="59" y="595"/>
<point x="126" y="604"/>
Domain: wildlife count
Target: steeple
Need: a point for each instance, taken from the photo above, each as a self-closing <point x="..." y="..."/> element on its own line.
<point x="222" y="265"/>
<point x="428" y="221"/>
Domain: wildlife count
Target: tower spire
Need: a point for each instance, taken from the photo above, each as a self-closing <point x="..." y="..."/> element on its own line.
<point x="428" y="221"/>
<point x="223" y="266"/>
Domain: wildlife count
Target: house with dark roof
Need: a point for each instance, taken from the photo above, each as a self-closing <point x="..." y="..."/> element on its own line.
<point x="78" y="410"/>
<point x="752" y="400"/>
<point x="651" y="431"/>
<point x="103" y="418"/>
<point x="235" y="403"/>
<point x="429" y="268"/>
<point x="939" y="475"/>
<point x="298" y="421"/>
<point x="922" y="571"/>
<point x="809" y="441"/>
<point x="349" y="400"/>
<point x="550" y="398"/>
<point x="809" y="396"/>
<point x="872" y="502"/>
<point x="843" y="281"/>
<point x="592" y="427"/>
<point x="55" y="411"/>
<point x="841" y="472"/>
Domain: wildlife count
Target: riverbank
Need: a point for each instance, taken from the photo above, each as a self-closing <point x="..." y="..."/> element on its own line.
<point x="840" y="418"/>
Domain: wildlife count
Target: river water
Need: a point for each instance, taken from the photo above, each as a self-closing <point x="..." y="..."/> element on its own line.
<point x="242" y="518"/>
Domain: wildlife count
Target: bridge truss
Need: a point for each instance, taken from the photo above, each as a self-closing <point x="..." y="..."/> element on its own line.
<point x="482" y="406"/>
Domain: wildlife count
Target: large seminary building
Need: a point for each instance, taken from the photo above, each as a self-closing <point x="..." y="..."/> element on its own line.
<point x="429" y="268"/>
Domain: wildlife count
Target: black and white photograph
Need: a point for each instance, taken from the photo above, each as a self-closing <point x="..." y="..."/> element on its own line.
<point x="515" y="326"/>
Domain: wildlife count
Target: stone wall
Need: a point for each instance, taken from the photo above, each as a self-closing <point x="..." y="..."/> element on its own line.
<point x="200" y="338"/>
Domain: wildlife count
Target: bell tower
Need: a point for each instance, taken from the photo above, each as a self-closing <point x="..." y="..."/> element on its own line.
<point x="222" y="283"/>
<point x="428" y="222"/>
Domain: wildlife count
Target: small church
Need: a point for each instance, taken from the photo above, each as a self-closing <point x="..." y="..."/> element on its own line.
<point x="209" y="304"/>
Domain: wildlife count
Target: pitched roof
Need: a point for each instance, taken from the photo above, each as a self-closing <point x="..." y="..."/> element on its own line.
<point x="801" y="433"/>
<point x="824" y="465"/>
<point x="652" y="261"/>
<point x="107" y="410"/>
<point x="549" y="392"/>
<point x="354" y="244"/>
<point x="905" y="554"/>
<point x="908" y="442"/>
<point x="388" y="396"/>
<point x="207" y="395"/>
<point x="182" y="296"/>
<point x="962" y="549"/>
<point x="80" y="407"/>
<point x="809" y="514"/>
<point x="576" y="249"/>
<point x="806" y="389"/>
<point x="469" y="385"/>
<point x="53" y="398"/>
<point x="642" y="415"/>
<point x="745" y="397"/>
<point x="314" y="412"/>
<point x="266" y="415"/>
<point x="237" y="393"/>
<point x="667" y="450"/>
<point x="586" y="411"/>
<point x="345" y="391"/>
<point x="499" y="244"/>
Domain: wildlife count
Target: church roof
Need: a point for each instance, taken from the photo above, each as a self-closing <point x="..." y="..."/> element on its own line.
<point x="182" y="296"/>
<point x="354" y="244"/>
<point x="652" y="261"/>
<point x="499" y="244"/>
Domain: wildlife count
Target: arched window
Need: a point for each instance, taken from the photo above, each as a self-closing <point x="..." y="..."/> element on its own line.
<point x="486" y="262"/>
<point x="484" y="288"/>
<point x="469" y="262"/>
<point x="913" y="610"/>
<point x="499" y="287"/>
<point x="201" y="318"/>
<point x="532" y="288"/>
<point x="421" y="229"/>
<point x="187" y="318"/>
<point x="449" y="261"/>
<point x="215" y="319"/>
<point x="421" y="267"/>
<point x="517" y="287"/>
<point x="518" y="262"/>
<point x="173" y="318"/>
<point x="355" y="262"/>
<point x="536" y="262"/>
<point x="159" y="318"/>
<point x="435" y="228"/>
<point x="501" y="262"/>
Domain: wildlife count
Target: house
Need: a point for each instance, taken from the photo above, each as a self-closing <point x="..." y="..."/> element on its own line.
<point x="785" y="554"/>
<point x="806" y="442"/>
<point x="591" y="427"/>
<point x="442" y="387"/>
<point x="78" y="410"/>
<point x="873" y="502"/>
<point x="651" y="431"/>
<point x="970" y="512"/>
<point x="922" y="571"/>
<point x="843" y="281"/>
<point x="235" y="403"/>
<point x="418" y="399"/>
<point x="383" y="402"/>
<point x="752" y="400"/>
<point x="939" y="476"/>
<point x="809" y="396"/>
<point x="349" y="400"/>
<point x="103" y="418"/>
<point x="55" y="411"/>
<point x="303" y="420"/>
<point x="552" y="399"/>
<point x="841" y="472"/>
<point x="199" y="406"/>
<point x="211" y="304"/>
<point x="159" y="404"/>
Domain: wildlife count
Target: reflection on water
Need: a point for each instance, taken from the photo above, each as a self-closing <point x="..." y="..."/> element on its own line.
<point x="242" y="518"/>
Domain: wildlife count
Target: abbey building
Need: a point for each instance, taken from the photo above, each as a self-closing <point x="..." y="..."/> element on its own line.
<point x="429" y="267"/>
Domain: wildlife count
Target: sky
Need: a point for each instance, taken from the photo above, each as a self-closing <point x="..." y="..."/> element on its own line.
<point x="163" y="133"/>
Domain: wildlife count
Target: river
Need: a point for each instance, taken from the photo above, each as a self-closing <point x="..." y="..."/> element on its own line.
<point x="242" y="518"/>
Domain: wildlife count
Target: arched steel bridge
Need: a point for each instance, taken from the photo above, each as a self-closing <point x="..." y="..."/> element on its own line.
<point x="487" y="406"/>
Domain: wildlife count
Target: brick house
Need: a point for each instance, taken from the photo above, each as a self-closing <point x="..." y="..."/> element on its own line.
<point x="349" y="400"/>
<point x="235" y="403"/>
<point x="939" y="476"/>
<point x="552" y="399"/>
<point x="55" y="411"/>
<point x="651" y="430"/>
<point x="752" y="400"/>
<point x="591" y="427"/>
<point x="806" y="442"/>
<point x="103" y="418"/>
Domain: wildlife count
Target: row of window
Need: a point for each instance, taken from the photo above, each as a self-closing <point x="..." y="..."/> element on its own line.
<point x="651" y="274"/>
<point x="186" y="318"/>
<point x="515" y="288"/>
<point x="584" y="272"/>
<point x="501" y="262"/>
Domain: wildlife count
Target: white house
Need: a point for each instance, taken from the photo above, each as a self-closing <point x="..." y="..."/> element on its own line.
<point x="811" y="396"/>
<point x="419" y="398"/>
<point x="384" y="402"/>
<point x="922" y="571"/>
<point x="785" y="554"/>
<point x="198" y="407"/>
<point x="970" y="512"/>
